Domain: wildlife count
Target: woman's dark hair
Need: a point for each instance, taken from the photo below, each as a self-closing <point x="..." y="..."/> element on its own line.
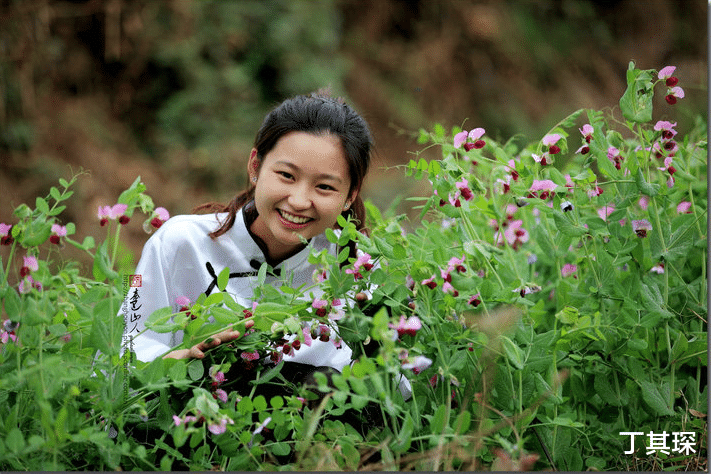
<point x="317" y="113"/>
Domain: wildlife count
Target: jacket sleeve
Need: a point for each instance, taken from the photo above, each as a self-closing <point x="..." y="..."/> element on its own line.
<point x="148" y="291"/>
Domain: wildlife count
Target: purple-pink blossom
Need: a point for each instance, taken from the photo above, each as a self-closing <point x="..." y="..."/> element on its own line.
<point x="220" y="394"/>
<point x="568" y="270"/>
<point x="469" y="140"/>
<point x="641" y="227"/>
<point x="550" y="141"/>
<point x="112" y="212"/>
<point x="220" y="426"/>
<point x="587" y="132"/>
<point x="684" y="207"/>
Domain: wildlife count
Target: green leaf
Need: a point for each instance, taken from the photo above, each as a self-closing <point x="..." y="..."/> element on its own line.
<point x="513" y="352"/>
<point x="223" y="278"/>
<point x="41" y="205"/>
<point x="566" y="227"/>
<point x="636" y="102"/>
<point x="196" y="369"/>
<point x="644" y="187"/>
<point x="654" y="398"/>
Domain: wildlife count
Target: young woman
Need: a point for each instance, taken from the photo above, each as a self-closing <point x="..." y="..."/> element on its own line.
<point x="308" y="163"/>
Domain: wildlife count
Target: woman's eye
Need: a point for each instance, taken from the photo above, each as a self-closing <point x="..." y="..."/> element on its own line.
<point x="285" y="174"/>
<point x="326" y="187"/>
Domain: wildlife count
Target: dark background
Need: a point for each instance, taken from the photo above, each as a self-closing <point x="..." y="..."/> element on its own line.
<point x="174" y="91"/>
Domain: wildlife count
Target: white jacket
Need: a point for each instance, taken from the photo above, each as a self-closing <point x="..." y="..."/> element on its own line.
<point x="180" y="259"/>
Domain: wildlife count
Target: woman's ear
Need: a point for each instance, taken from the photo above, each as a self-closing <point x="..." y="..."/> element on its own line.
<point x="351" y="199"/>
<point x="253" y="166"/>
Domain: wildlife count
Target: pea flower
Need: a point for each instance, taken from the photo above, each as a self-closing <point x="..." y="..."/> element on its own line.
<point x="418" y="364"/>
<point x="113" y="212"/>
<point x="456" y="264"/>
<point x="658" y="268"/>
<point x="30" y="264"/>
<point x="362" y="261"/>
<point x="613" y="154"/>
<point x="683" y="207"/>
<point x="641" y="227"/>
<point x="568" y="270"/>
<point x="320" y="306"/>
<point x="674" y="92"/>
<point x="220" y="394"/>
<point x="250" y="356"/>
<point x="587" y="132"/>
<point x="667" y="129"/>
<point x="58" y="231"/>
<point x="463" y="187"/>
<point x="28" y="283"/>
<point x="160" y="216"/>
<point x="8" y="331"/>
<point x="220" y="426"/>
<point x="550" y="141"/>
<point x="666" y="74"/>
<point x="5" y="234"/>
<point x="546" y="186"/>
<point x="470" y="140"/>
<point x="475" y="300"/>
<point x="605" y="211"/>
<point x="430" y="283"/>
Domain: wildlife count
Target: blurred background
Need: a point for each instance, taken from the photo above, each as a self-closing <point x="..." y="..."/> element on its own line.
<point x="175" y="90"/>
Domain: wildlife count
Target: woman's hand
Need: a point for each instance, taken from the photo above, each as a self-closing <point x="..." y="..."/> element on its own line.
<point x="198" y="350"/>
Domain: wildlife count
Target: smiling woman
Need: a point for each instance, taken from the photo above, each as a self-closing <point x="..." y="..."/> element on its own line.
<point x="306" y="168"/>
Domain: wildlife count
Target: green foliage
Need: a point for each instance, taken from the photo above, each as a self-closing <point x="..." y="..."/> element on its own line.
<point x="515" y="321"/>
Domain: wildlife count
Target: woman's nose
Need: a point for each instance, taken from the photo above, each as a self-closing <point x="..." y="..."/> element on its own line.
<point x="299" y="198"/>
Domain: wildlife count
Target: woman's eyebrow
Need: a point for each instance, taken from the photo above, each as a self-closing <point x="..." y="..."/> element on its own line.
<point x="326" y="176"/>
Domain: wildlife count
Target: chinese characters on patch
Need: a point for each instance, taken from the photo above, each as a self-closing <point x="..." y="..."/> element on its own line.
<point x="130" y="309"/>
<point x="682" y="442"/>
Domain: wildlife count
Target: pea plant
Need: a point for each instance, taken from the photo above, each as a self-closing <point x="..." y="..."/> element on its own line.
<point x="547" y="311"/>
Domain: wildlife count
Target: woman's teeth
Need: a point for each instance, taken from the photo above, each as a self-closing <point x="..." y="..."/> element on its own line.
<point x="293" y="218"/>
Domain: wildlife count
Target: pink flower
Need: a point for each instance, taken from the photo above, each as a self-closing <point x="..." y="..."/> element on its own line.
<point x="673" y="94"/>
<point x="160" y="215"/>
<point x="249" y="356"/>
<point x="641" y="227"/>
<point x="596" y="191"/>
<point x="407" y="326"/>
<point x="604" y="212"/>
<point x="666" y="73"/>
<point x="658" y="269"/>
<point x="550" y="141"/>
<point x="112" y="212"/>
<point x="643" y="202"/>
<point x="27" y="283"/>
<point x="362" y="261"/>
<point x="219" y="427"/>
<point x="30" y="263"/>
<point x="430" y="283"/>
<point x="546" y="186"/>
<point x="475" y="300"/>
<point x="587" y="132"/>
<point x="58" y="231"/>
<point x="307" y="336"/>
<point x="470" y="139"/>
<point x="320" y="306"/>
<point x="568" y="270"/>
<point x="221" y="395"/>
<point x="543" y="159"/>
<point x="514" y="234"/>
<point x="5" y="234"/>
<point x="456" y="264"/>
<point x="683" y="207"/>
<point x="463" y="187"/>
<point x="667" y="129"/>
<point x="448" y="288"/>
<point x="182" y="301"/>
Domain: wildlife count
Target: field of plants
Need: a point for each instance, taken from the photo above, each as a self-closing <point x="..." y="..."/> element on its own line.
<point x="548" y="312"/>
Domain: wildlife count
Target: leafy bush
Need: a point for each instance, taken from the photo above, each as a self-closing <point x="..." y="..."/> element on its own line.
<point x="537" y="315"/>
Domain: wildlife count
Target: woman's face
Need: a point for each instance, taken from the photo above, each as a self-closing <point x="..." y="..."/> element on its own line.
<point x="302" y="187"/>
